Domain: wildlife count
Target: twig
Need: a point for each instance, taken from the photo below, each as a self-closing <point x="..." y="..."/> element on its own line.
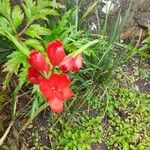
<point x="24" y="29"/>
<point x="2" y="139"/>
<point x="140" y="36"/>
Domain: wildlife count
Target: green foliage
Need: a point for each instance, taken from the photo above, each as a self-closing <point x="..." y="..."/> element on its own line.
<point x="34" y="44"/>
<point x="37" y="100"/>
<point x="101" y="58"/>
<point x="128" y="120"/>
<point x="5" y="8"/>
<point x="6" y="47"/>
<point x="12" y="65"/>
<point x="39" y="9"/>
<point x="94" y="102"/>
<point x="22" y="77"/>
<point x="144" y="73"/>
<point x="125" y="111"/>
<point x="90" y="8"/>
<point x="77" y="134"/>
<point x="17" y="16"/>
<point x="144" y="49"/>
<point x="11" y="20"/>
<point x="36" y="30"/>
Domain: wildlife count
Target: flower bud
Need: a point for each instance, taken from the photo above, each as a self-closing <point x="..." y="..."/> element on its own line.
<point x="77" y="63"/>
<point x="37" y="61"/>
<point x="55" y="52"/>
<point x="34" y="76"/>
<point x="67" y="64"/>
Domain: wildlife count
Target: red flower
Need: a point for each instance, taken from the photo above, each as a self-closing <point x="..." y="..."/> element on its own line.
<point x="71" y="63"/>
<point x="56" y="90"/>
<point x="34" y="76"/>
<point x="55" y="51"/>
<point x="37" y="60"/>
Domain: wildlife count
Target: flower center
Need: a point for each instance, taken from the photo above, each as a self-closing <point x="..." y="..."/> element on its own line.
<point x="53" y="88"/>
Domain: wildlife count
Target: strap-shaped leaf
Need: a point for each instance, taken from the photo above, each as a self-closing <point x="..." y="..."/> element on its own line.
<point x="34" y="43"/>
<point x="36" y="30"/>
<point x="12" y="65"/>
<point x="17" y="16"/>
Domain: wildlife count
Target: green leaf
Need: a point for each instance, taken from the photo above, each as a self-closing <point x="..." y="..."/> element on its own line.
<point x="12" y="65"/>
<point x="55" y="5"/>
<point x="4" y="25"/>
<point x="36" y="30"/>
<point x="2" y="31"/>
<point x="47" y="3"/>
<point x="39" y="9"/>
<point x="29" y="2"/>
<point x="27" y="12"/>
<point x="34" y="43"/>
<point x="35" y="107"/>
<point x="125" y="146"/>
<point x="17" y="16"/>
<point x="47" y="11"/>
<point x="5" y="8"/>
<point x="23" y="75"/>
<point x="90" y="8"/>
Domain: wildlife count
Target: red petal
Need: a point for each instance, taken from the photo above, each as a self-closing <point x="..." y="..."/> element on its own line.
<point x="47" y="68"/>
<point x="64" y="81"/>
<point x="34" y="76"/>
<point x="67" y="93"/>
<point x="44" y="85"/>
<point x="46" y="90"/>
<point x="77" y="63"/>
<point x="55" y="51"/>
<point x="67" y="64"/>
<point x="37" y="60"/>
<point x="56" y="105"/>
<point x="59" y="81"/>
<point x="53" y="88"/>
<point x="54" y="80"/>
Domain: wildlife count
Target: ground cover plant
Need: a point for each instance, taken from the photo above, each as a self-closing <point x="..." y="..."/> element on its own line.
<point x="51" y="58"/>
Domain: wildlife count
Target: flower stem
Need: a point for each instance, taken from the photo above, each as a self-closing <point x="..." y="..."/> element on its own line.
<point x="18" y="44"/>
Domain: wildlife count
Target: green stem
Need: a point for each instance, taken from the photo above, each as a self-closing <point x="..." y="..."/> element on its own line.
<point x="18" y="44"/>
<point x="24" y="29"/>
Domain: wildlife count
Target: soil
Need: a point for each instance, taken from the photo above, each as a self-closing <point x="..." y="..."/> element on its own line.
<point x="137" y="20"/>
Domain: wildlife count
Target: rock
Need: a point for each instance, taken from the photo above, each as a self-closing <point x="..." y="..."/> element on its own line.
<point x="143" y="19"/>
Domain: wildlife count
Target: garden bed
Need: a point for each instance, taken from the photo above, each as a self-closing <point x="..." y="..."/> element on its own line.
<point x="110" y="107"/>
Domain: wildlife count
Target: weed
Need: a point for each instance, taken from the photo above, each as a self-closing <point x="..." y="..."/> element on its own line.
<point x="78" y="134"/>
<point x="128" y="120"/>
